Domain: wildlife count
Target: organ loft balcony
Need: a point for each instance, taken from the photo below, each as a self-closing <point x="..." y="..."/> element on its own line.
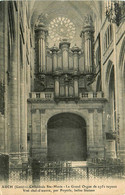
<point x="48" y="97"/>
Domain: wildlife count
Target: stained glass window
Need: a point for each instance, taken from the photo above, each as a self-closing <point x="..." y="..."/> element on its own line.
<point x="61" y="28"/>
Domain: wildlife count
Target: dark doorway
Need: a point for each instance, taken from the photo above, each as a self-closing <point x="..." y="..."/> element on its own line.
<point x="66" y="138"/>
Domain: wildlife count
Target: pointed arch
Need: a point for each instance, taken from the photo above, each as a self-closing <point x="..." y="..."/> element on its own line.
<point x="108" y="71"/>
<point x="99" y="84"/>
<point x="66" y="137"/>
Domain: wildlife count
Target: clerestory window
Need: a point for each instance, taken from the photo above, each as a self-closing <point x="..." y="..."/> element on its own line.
<point x="108" y="37"/>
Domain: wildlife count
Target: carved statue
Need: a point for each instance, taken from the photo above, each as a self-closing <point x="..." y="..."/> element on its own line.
<point x="88" y="20"/>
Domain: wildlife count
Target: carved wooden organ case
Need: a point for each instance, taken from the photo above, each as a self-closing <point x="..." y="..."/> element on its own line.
<point x="64" y="70"/>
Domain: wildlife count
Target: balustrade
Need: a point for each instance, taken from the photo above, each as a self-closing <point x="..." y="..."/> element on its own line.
<point x="93" y="95"/>
<point x="42" y="95"/>
<point x="50" y="95"/>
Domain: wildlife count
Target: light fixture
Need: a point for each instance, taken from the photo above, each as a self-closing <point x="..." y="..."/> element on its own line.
<point x="115" y="11"/>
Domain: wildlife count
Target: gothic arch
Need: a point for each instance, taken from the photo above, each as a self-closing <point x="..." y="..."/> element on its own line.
<point x="56" y="112"/>
<point x="98" y="84"/>
<point x="111" y="106"/>
<point x="70" y="113"/>
<point x="66" y="137"/>
<point x="108" y="71"/>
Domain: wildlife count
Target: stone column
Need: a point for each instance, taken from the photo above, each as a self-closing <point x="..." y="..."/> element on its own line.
<point x="18" y="75"/>
<point x="75" y="51"/>
<point x="2" y="140"/>
<point x="88" y="34"/>
<point x="14" y="125"/>
<point x="36" y="133"/>
<point x="119" y="94"/>
<point x="99" y="135"/>
<point x="22" y="111"/>
<point x="64" y="46"/>
<point x="41" y="36"/>
<point x="90" y="135"/>
<point x="25" y="108"/>
<point x="121" y="120"/>
<point x="43" y="135"/>
<point x="33" y="130"/>
<point x="91" y="127"/>
<point x="54" y="50"/>
<point x="23" y="129"/>
<point x="110" y="149"/>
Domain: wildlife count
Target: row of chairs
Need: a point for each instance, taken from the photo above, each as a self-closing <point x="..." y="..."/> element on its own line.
<point x="107" y="161"/>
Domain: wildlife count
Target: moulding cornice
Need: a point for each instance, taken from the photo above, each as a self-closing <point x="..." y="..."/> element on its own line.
<point x="39" y="100"/>
<point x="93" y="100"/>
<point x="91" y="110"/>
<point x="99" y="110"/>
<point x="83" y="101"/>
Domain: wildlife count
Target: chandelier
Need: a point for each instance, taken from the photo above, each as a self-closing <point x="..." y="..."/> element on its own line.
<point x="115" y="11"/>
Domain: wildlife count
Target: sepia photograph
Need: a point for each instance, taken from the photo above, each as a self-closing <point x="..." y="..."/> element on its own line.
<point x="62" y="97"/>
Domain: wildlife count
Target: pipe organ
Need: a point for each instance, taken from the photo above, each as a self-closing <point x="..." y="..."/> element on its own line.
<point x="41" y="36"/>
<point x="63" y="70"/>
<point x="87" y="35"/>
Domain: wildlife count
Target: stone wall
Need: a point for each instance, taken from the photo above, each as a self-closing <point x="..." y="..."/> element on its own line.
<point x="91" y="112"/>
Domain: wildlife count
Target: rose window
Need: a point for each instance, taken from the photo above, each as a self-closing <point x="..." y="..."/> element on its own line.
<point x="61" y="28"/>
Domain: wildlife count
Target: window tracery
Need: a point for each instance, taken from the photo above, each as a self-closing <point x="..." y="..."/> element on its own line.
<point x="61" y="28"/>
<point x="108" y="37"/>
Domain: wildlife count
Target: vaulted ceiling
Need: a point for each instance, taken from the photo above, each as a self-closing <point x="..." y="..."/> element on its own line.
<point x="74" y="10"/>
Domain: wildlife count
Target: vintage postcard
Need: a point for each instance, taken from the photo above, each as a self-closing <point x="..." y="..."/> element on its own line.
<point x="62" y="97"/>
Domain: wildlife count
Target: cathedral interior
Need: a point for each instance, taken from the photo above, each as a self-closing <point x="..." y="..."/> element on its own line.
<point x="62" y="80"/>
